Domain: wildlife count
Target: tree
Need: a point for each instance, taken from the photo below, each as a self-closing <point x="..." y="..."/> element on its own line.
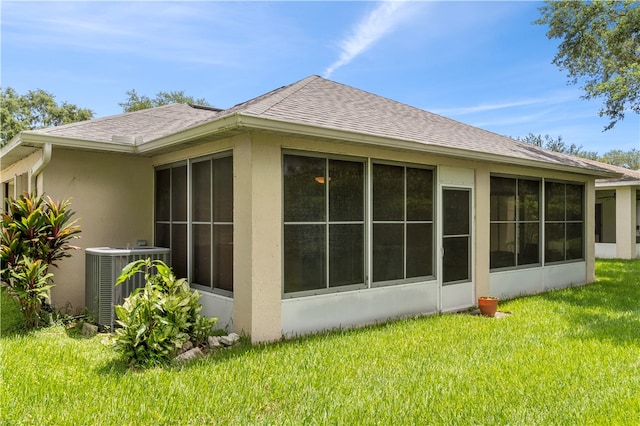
<point x="558" y="145"/>
<point x="629" y="159"/>
<point x="137" y="102"/>
<point x="34" y="110"/>
<point x="601" y="47"/>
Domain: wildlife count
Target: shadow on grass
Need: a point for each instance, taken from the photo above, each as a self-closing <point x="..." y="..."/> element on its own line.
<point x="609" y="308"/>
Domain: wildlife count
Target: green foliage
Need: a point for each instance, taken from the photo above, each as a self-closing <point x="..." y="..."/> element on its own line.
<point x="160" y="317"/>
<point x="34" y="110"/>
<point x="36" y="233"/>
<point x="627" y="159"/>
<point x="599" y="46"/>
<point x="558" y="145"/>
<point x="137" y="102"/>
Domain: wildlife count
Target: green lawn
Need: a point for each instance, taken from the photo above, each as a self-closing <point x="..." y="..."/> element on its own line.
<point x="568" y="357"/>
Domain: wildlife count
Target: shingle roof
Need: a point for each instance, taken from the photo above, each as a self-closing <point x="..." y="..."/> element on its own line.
<point x="628" y="175"/>
<point x="322" y="104"/>
<point x="147" y="125"/>
<point x="316" y="101"/>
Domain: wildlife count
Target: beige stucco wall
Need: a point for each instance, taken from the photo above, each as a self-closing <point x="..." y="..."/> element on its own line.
<point x="590" y="229"/>
<point x="625" y="222"/>
<point x="112" y="195"/>
<point x="482" y="229"/>
<point x="257" y="296"/>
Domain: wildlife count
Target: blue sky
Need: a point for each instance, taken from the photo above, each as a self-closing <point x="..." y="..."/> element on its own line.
<point x="482" y="63"/>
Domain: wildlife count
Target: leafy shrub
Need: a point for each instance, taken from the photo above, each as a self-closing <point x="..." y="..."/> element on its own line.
<point x="36" y="233"/>
<point x="158" y="319"/>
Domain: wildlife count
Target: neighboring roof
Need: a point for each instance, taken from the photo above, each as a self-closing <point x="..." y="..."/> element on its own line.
<point x="629" y="177"/>
<point x="314" y="107"/>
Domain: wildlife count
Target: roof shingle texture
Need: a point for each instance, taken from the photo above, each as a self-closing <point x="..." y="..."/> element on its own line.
<point x="149" y="124"/>
<point x="628" y="175"/>
<point x="321" y="103"/>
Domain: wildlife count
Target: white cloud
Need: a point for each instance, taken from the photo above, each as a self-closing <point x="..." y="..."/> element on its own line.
<point x="379" y="22"/>
<point x="557" y="98"/>
<point x="486" y="107"/>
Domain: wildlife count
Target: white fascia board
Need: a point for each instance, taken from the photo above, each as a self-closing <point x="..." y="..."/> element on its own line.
<point x="257" y="123"/>
<point x="211" y="128"/>
<point x="618" y="183"/>
<point x="57" y="141"/>
<point x="15" y="142"/>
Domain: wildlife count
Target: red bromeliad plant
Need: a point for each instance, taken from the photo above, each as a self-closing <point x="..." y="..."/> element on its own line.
<point x="36" y="233"/>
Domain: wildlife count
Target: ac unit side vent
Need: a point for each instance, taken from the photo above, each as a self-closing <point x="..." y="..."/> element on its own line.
<point x="103" y="266"/>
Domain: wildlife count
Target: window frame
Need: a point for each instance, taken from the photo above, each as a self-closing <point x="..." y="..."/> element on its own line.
<point x="190" y="221"/>
<point x="565" y="222"/>
<point x="405" y="222"/>
<point x="518" y="222"/>
<point x="327" y="222"/>
<point x="367" y="222"/>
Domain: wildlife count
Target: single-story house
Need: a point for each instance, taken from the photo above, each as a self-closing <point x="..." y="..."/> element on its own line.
<point x="318" y="205"/>
<point x="618" y="215"/>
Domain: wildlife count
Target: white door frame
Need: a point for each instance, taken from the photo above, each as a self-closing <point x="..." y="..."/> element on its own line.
<point x="456" y="296"/>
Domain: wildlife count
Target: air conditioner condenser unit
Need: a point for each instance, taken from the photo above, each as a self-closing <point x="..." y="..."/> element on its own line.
<point x="103" y="266"/>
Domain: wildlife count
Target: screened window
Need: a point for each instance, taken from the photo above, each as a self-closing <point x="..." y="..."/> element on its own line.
<point x="514" y="222"/>
<point x="194" y="217"/>
<point x="402" y="207"/>
<point x="323" y="223"/>
<point x="564" y="221"/>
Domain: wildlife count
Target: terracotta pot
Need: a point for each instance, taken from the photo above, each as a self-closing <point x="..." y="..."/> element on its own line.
<point x="488" y="305"/>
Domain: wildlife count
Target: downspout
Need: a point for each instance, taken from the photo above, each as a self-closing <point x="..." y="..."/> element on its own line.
<point x="39" y="166"/>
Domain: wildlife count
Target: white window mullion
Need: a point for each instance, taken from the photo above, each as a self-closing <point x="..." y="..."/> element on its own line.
<point x="404" y="225"/>
<point x="189" y="226"/>
<point x="368" y="224"/>
<point x="516" y="238"/>
<point x="211" y="230"/>
<point x="171" y="208"/>
<point x="543" y="222"/>
<point x="327" y="180"/>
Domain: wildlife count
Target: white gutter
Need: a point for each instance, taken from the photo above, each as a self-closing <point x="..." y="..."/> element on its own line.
<point x="240" y="122"/>
<point x="37" y="168"/>
<point x="259" y="123"/>
<point x="612" y="184"/>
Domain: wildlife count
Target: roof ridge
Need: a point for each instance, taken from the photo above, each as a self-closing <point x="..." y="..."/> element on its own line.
<point x="291" y="89"/>
<point x="271" y="98"/>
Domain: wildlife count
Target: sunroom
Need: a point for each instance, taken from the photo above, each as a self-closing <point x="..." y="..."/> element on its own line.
<point x="318" y="205"/>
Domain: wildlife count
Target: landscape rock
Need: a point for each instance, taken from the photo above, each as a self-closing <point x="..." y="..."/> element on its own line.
<point x="213" y="342"/>
<point x="189" y="355"/>
<point x="230" y="339"/>
<point x="89" y="330"/>
<point x="186" y="346"/>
